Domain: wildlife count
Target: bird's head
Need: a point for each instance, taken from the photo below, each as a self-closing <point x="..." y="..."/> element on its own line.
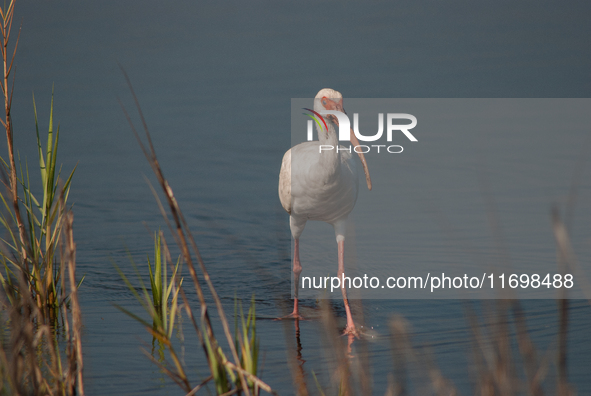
<point x="329" y="99"/>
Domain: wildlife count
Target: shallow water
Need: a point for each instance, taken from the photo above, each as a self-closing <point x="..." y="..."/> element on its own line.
<point x="215" y="84"/>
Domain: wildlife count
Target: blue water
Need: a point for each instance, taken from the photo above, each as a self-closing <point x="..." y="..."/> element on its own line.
<point x="215" y="82"/>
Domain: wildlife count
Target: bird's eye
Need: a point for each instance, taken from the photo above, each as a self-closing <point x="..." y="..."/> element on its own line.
<point x="324" y="102"/>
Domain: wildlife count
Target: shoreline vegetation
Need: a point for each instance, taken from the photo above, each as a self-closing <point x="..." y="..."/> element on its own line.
<point x="41" y="319"/>
<point x="39" y="290"/>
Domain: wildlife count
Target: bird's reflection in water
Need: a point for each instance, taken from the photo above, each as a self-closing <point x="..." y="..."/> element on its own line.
<point x="298" y="344"/>
<point x="298" y="370"/>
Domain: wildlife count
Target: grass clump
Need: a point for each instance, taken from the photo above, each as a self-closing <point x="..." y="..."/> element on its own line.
<point x="161" y="300"/>
<point x="246" y="341"/>
<point x="36" y="255"/>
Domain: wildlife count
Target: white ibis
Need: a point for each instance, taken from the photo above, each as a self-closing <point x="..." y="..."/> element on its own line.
<point x="322" y="186"/>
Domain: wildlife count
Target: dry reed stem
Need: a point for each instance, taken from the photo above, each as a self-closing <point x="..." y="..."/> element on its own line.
<point x="75" y="305"/>
<point x="5" y="28"/>
<point x="399" y="347"/>
<point x="392" y="390"/>
<point x="404" y="353"/>
<point x="262" y="385"/>
<point x="230" y="393"/>
<point x="496" y="349"/>
<point x="567" y="261"/>
<point x="201" y="385"/>
<point x="504" y="369"/>
<point x="533" y="369"/>
<point x="440" y="385"/>
<point x="179" y="378"/>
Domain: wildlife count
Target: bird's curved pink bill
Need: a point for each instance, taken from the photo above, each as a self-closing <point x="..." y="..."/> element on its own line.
<point x="362" y="158"/>
<point x="339" y="107"/>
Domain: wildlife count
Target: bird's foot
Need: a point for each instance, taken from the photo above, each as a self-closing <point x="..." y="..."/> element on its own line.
<point x="351" y="330"/>
<point x="293" y="315"/>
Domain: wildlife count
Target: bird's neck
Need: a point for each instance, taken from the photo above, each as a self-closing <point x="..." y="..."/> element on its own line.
<point x="329" y="136"/>
<point x="330" y="158"/>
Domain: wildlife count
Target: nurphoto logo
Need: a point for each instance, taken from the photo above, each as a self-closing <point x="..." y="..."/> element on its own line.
<point x="345" y="129"/>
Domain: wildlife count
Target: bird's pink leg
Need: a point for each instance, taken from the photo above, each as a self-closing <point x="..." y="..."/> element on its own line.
<point x="297" y="269"/>
<point x="350" y="329"/>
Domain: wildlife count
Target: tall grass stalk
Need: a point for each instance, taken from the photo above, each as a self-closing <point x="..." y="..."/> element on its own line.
<point x="7" y="15"/>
